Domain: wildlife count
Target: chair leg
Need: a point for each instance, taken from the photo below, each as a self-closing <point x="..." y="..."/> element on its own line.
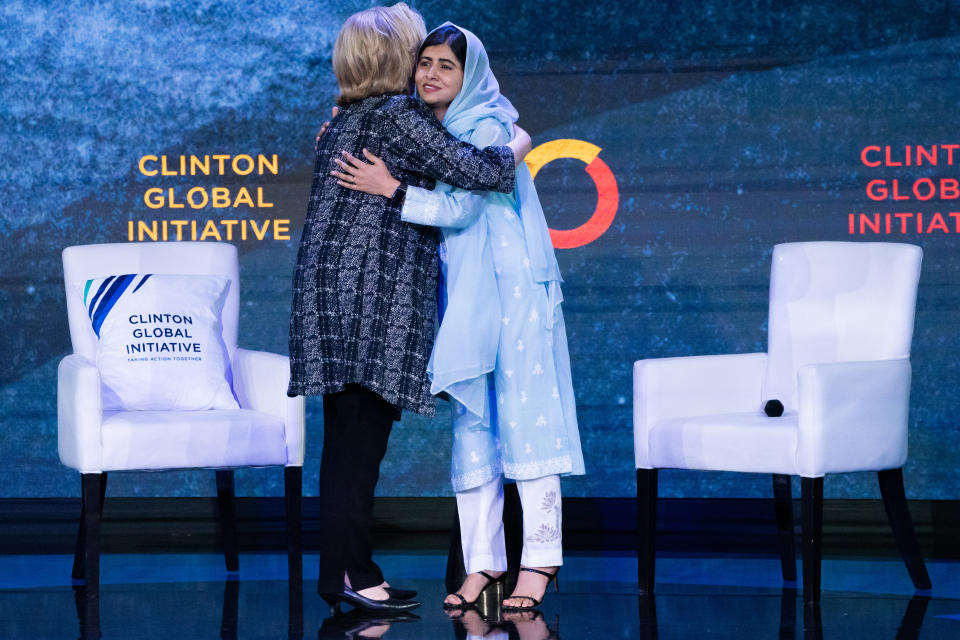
<point x="92" y="490"/>
<point x="788" y="614"/>
<point x="812" y="622"/>
<point x="88" y="613"/>
<point x="227" y="508"/>
<point x="812" y="498"/>
<point x="230" y="615"/>
<point x="783" y="504"/>
<point x="898" y="513"/>
<point x="913" y="617"/>
<point x="294" y="611"/>
<point x="81" y="540"/>
<point x="293" y="491"/>
<point x="646" y="529"/>
<point x="648" y="618"/>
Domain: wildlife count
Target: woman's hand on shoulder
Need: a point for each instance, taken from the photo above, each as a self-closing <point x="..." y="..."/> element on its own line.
<point x="324" y="127"/>
<point x="370" y="177"/>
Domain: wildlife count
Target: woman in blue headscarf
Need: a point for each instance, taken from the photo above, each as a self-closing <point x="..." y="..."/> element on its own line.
<point x="500" y="353"/>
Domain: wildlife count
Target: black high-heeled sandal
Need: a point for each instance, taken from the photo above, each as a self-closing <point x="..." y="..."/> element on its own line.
<point x="496" y="593"/>
<point x="551" y="577"/>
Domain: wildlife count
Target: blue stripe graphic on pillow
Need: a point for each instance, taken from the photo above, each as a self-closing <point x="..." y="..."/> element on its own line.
<point x="93" y="302"/>
<point x="137" y="288"/>
<point x="109" y="299"/>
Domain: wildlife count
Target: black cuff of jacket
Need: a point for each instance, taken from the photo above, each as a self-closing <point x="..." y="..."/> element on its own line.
<point x="508" y="169"/>
<point x="399" y="196"/>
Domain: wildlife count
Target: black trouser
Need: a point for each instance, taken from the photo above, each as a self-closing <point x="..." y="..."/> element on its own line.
<point x="356" y="426"/>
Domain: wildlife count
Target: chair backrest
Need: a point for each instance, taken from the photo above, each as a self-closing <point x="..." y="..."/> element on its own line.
<point x="84" y="262"/>
<point x="838" y="302"/>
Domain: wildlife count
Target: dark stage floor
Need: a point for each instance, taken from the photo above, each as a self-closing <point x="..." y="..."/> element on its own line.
<point x="185" y="596"/>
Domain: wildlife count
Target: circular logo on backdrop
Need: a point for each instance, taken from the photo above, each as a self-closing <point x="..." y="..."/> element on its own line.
<point x="608" y="197"/>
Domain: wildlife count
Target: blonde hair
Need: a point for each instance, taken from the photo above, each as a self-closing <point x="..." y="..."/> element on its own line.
<point x="375" y="52"/>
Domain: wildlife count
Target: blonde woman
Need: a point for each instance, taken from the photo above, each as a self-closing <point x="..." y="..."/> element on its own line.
<point x="364" y="289"/>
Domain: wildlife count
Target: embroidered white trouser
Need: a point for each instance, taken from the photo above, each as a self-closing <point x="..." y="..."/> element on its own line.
<point x="481" y="524"/>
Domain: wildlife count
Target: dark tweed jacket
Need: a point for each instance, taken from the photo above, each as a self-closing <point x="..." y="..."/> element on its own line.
<point x="365" y="284"/>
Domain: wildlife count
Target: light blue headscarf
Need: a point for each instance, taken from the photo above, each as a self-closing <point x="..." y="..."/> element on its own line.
<point x="480" y="98"/>
<point x="467" y="340"/>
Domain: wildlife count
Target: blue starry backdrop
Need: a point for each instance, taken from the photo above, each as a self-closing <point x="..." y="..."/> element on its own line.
<point x="729" y="127"/>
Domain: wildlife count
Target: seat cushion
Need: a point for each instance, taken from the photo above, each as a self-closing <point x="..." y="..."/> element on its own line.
<point x="745" y="442"/>
<point x="186" y="439"/>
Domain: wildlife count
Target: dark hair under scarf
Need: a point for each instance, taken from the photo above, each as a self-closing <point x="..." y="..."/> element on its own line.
<point x="450" y="36"/>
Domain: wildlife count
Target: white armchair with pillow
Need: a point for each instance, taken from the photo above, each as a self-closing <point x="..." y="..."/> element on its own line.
<point x="156" y="381"/>
<point x="840" y="325"/>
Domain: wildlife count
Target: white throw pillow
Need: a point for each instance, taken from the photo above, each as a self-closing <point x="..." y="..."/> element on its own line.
<point x="160" y="341"/>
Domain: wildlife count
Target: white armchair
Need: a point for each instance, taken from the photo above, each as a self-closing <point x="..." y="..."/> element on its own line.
<point x="267" y="429"/>
<point x="840" y="326"/>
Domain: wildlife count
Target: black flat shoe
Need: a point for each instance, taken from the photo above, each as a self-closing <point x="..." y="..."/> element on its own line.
<point x="493" y="590"/>
<point x="353" y="598"/>
<point x="400" y="594"/>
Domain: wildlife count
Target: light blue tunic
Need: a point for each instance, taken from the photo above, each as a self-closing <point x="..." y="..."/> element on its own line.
<point x="501" y="349"/>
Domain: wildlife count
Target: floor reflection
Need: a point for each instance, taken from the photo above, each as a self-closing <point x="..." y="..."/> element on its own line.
<point x="173" y="596"/>
<point x="811" y="627"/>
<point x="362" y="624"/>
<point x="684" y="613"/>
<point x="88" y="611"/>
<point x="477" y="623"/>
<point x="517" y="625"/>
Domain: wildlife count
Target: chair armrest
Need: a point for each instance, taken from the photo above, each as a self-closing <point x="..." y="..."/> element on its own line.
<point x="79" y="414"/>
<point x="852" y="416"/>
<point x="692" y="386"/>
<point x="260" y="381"/>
